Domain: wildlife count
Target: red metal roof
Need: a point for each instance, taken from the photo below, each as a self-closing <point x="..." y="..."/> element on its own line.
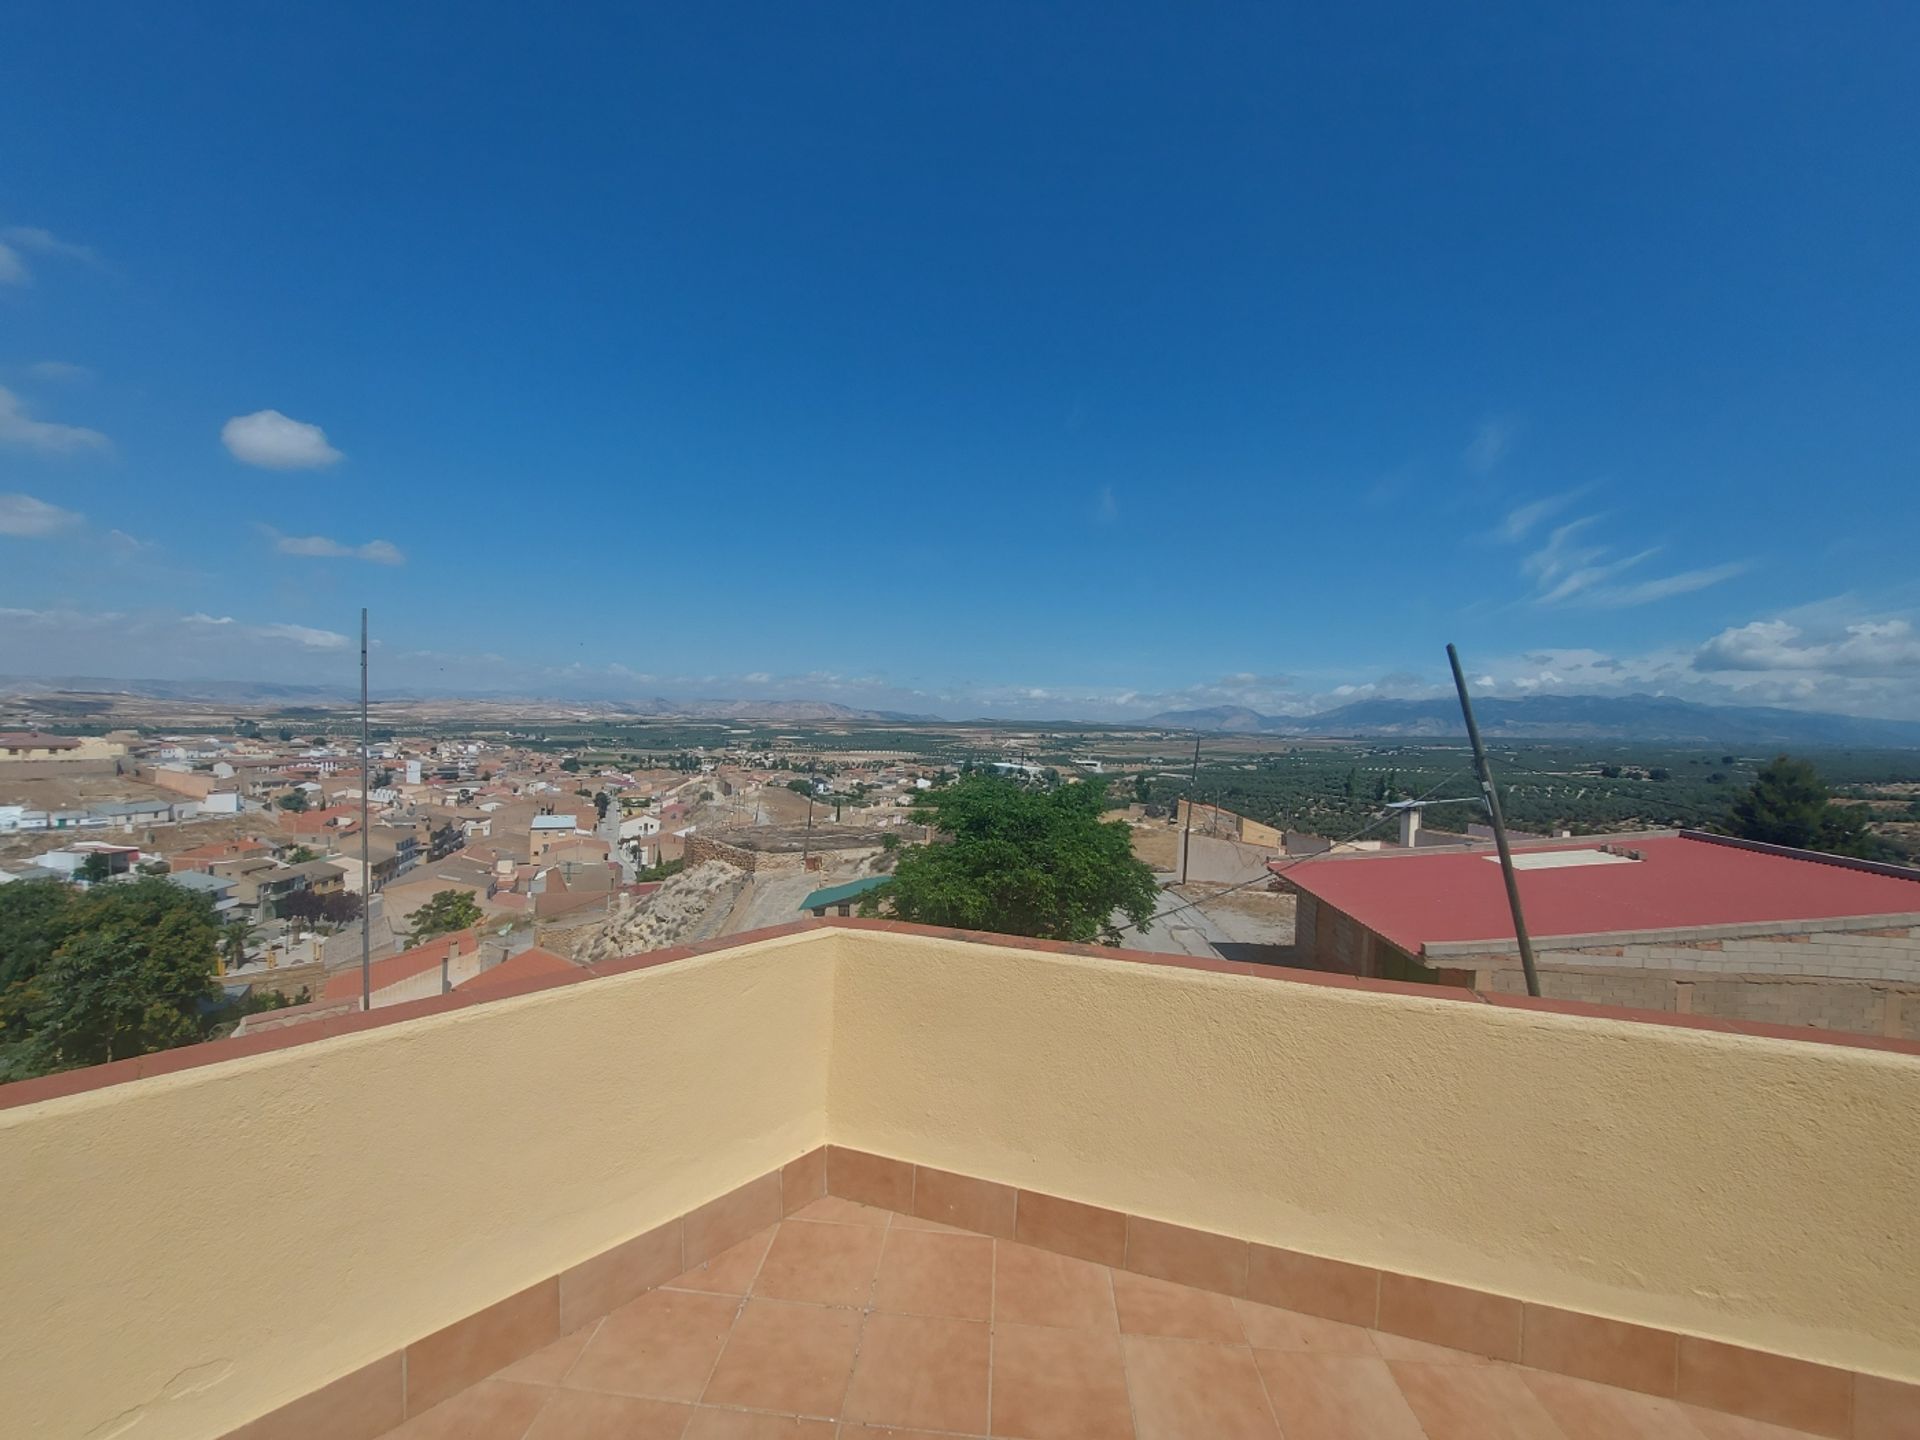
<point x="1436" y="897"/>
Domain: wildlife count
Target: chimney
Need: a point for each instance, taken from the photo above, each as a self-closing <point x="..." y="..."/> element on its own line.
<point x="1410" y="826"/>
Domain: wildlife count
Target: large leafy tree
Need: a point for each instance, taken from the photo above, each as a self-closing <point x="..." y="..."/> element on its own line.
<point x="446" y="912"/>
<point x="1020" y="861"/>
<point x="1789" y="805"/>
<point x="99" y="975"/>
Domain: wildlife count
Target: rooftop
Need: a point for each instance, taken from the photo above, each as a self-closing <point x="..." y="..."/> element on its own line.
<point x="839" y="894"/>
<point x="1074" y="1192"/>
<point x="1680" y="881"/>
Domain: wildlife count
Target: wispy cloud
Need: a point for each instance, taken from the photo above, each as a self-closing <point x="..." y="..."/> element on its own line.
<point x="19" y="428"/>
<point x="1573" y="568"/>
<point x="60" y="372"/>
<point x="277" y="442"/>
<point x="1521" y="520"/>
<point x="1106" y="509"/>
<point x="19" y="241"/>
<point x="1492" y="442"/>
<point x="322" y="547"/>
<point x="26" y="518"/>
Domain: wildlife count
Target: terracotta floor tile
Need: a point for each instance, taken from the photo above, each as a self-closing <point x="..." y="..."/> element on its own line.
<point x="1718" y="1425"/>
<point x="790" y="1358"/>
<point x="1037" y="1287"/>
<point x="711" y="1424"/>
<point x="732" y="1270"/>
<point x="1474" y="1402"/>
<point x="1160" y="1307"/>
<point x="1585" y="1410"/>
<point x="589" y="1415"/>
<point x="1419" y="1352"/>
<point x="1325" y="1396"/>
<point x="923" y="1272"/>
<point x="491" y="1410"/>
<point x="917" y="1371"/>
<point x="1762" y="1386"/>
<point x="548" y="1365"/>
<point x="821" y="1264"/>
<point x="662" y="1345"/>
<point x="1271" y="1329"/>
<point x="1085" y="1231"/>
<point x="917" y="1222"/>
<point x="1182" y="1390"/>
<point x="440" y="1365"/>
<point x="1055" y="1384"/>
<point x="835" y="1210"/>
<point x="723" y="1223"/>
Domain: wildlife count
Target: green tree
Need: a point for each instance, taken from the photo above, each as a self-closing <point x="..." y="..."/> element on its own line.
<point x="115" y="971"/>
<point x="570" y="765"/>
<point x="446" y="912"/>
<point x="235" y="936"/>
<point x="1020" y="861"/>
<point x="95" y="868"/>
<point x="1788" y="804"/>
<point x="285" y="734"/>
<point x="601" y="800"/>
<point x="293" y="800"/>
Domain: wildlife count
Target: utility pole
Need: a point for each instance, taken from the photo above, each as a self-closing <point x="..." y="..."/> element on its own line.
<point x="806" y="845"/>
<point x="1499" y="825"/>
<point x="1186" y="835"/>
<point x="366" y="854"/>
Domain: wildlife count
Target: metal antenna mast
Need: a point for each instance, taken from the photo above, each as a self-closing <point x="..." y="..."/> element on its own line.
<point x="1499" y="825"/>
<point x="366" y="860"/>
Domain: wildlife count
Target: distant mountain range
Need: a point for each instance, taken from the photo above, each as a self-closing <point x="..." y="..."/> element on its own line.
<point x="257" y="693"/>
<point x="1560" y="717"/>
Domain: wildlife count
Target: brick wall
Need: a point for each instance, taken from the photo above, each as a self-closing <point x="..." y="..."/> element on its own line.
<point x="701" y="849"/>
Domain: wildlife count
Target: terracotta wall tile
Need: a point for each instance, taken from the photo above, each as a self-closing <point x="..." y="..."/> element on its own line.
<point x="450" y="1360"/>
<point x="1885" y="1409"/>
<point x="1796" y="1393"/>
<point x="727" y="1221"/>
<point x="804" y="1180"/>
<point x="982" y="1205"/>
<point x="613" y="1277"/>
<point x="1450" y="1315"/>
<point x="1089" y="1232"/>
<point x="358" y="1406"/>
<point x="871" y="1179"/>
<point x="1612" y="1352"/>
<point x="1331" y="1289"/>
<point x="1187" y="1257"/>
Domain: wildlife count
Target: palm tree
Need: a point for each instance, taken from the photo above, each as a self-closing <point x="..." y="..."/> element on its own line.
<point x="240" y="933"/>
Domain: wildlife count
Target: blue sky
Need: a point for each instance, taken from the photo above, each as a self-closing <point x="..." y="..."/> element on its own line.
<point x="1062" y="360"/>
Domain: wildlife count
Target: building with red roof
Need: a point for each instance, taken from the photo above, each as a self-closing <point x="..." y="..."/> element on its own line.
<point x="1674" y="920"/>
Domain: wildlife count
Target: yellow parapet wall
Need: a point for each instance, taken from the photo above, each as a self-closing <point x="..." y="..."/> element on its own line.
<point x="1745" y="1189"/>
<point x="1741" y="1188"/>
<point x="428" y="1168"/>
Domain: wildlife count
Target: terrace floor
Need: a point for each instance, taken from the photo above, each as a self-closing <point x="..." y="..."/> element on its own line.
<point x="850" y="1323"/>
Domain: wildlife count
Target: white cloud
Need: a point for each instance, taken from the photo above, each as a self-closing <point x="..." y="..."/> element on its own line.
<point x="124" y="544"/>
<point x="61" y="372"/>
<point x="24" y="517"/>
<point x="19" y="428"/>
<point x="299" y="634"/>
<point x="1864" y="647"/>
<point x="1492" y="442"/>
<point x="275" y="442"/>
<point x="1573" y="569"/>
<point x="1106" y="509"/>
<point x="380" y="552"/>
<point x="1521" y="520"/>
<point x="16" y="241"/>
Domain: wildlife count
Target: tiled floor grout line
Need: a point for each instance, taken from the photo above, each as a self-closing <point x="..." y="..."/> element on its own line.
<point x="738" y="1311"/>
<point x="1120" y="1338"/>
<point x="574" y="1364"/>
<point x="993" y="1317"/>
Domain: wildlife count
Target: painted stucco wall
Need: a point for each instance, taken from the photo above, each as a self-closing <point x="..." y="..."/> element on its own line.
<point x="1750" y="1190"/>
<point x="430" y="1169"/>
<point x="1745" y="1189"/>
